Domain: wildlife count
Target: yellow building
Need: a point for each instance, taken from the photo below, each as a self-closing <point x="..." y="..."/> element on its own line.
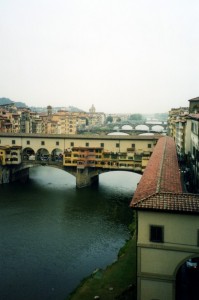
<point x="3" y="155"/>
<point x="167" y="229"/>
<point x="10" y="155"/>
<point x="82" y="157"/>
<point x="66" y="122"/>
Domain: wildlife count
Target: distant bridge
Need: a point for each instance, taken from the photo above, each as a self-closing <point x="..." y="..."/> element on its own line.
<point x="131" y="127"/>
<point x="150" y="124"/>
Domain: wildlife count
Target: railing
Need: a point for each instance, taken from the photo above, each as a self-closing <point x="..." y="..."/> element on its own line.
<point x="42" y="162"/>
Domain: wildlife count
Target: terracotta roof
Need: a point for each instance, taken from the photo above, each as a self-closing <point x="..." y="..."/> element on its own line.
<point x="160" y="187"/>
<point x="194" y="116"/>
<point x="170" y="202"/>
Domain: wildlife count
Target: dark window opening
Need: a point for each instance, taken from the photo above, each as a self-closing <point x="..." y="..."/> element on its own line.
<point x="198" y="238"/>
<point x="157" y="234"/>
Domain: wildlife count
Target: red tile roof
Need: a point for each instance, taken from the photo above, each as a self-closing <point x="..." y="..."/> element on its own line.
<point x="183" y="203"/>
<point x="160" y="187"/>
<point x="194" y="116"/>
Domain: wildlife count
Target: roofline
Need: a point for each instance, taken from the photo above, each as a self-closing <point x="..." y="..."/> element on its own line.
<point x="194" y="99"/>
<point x="79" y="136"/>
<point x="177" y="212"/>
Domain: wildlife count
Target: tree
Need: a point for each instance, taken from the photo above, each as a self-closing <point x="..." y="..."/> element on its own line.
<point x="109" y="119"/>
<point x="136" y="117"/>
<point x="118" y="119"/>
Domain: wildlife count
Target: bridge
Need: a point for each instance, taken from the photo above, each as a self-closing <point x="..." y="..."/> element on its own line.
<point x="144" y="126"/>
<point x="134" y="123"/>
<point x="131" y="127"/>
<point x="83" y="156"/>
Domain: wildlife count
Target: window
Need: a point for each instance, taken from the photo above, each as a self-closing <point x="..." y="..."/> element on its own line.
<point x="117" y="145"/>
<point x="156" y="234"/>
<point x="72" y="144"/>
<point x="149" y="145"/>
<point x="28" y="142"/>
<point x="102" y="145"/>
<point x="87" y="144"/>
<point x="194" y="127"/>
<point x="194" y="151"/>
<point x="13" y="142"/>
<point x="42" y="143"/>
<point x="57" y="143"/>
<point x="133" y="145"/>
<point x="198" y="239"/>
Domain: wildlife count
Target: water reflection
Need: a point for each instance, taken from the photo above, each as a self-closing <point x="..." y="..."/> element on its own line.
<point x="53" y="235"/>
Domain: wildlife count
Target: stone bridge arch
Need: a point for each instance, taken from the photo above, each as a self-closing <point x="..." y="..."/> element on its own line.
<point x="84" y="177"/>
<point x="142" y="127"/>
<point x="36" y="163"/>
<point x="157" y="128"/>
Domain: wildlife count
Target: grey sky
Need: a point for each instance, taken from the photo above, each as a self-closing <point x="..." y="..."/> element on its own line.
<point x="122" y="56"/>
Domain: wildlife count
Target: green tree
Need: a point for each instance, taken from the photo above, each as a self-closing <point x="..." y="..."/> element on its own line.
<point x="136" y="117"/>
<point x="109" y="119"/>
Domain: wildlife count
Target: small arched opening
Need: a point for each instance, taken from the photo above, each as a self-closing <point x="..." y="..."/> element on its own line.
<point x="27" y="152"/>
<point x="187" y="278"/>
<point x="42" y="154"/>
<point x="57" y="154"/>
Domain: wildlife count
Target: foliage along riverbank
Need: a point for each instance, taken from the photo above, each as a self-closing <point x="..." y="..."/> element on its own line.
<point x="117" y="281"/>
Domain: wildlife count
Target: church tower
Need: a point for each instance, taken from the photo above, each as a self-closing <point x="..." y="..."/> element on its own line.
<point x="92" y="110"/>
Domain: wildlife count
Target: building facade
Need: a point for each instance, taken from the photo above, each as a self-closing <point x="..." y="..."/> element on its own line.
<point x="167" y="227"/>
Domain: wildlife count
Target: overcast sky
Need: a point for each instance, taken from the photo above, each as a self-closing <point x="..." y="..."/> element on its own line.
<point x="123" y="56"/>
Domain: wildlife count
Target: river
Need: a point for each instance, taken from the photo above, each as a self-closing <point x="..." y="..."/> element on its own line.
<point x="52" y="235"/>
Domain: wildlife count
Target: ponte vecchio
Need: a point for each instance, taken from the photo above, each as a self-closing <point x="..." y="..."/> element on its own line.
<point x="84" y="156"/>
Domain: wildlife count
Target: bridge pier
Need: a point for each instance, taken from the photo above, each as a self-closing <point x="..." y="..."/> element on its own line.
<point x="19" y="174"/>
<point x="10" y="174"/>
<point x="86" y="177"/>
<point x="4" y="175"/>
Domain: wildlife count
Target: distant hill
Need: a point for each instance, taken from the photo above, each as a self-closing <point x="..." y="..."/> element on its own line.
<point x="4" y="101"/>
<point x="56" y="108"/>
<point x="74" y="109"/>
